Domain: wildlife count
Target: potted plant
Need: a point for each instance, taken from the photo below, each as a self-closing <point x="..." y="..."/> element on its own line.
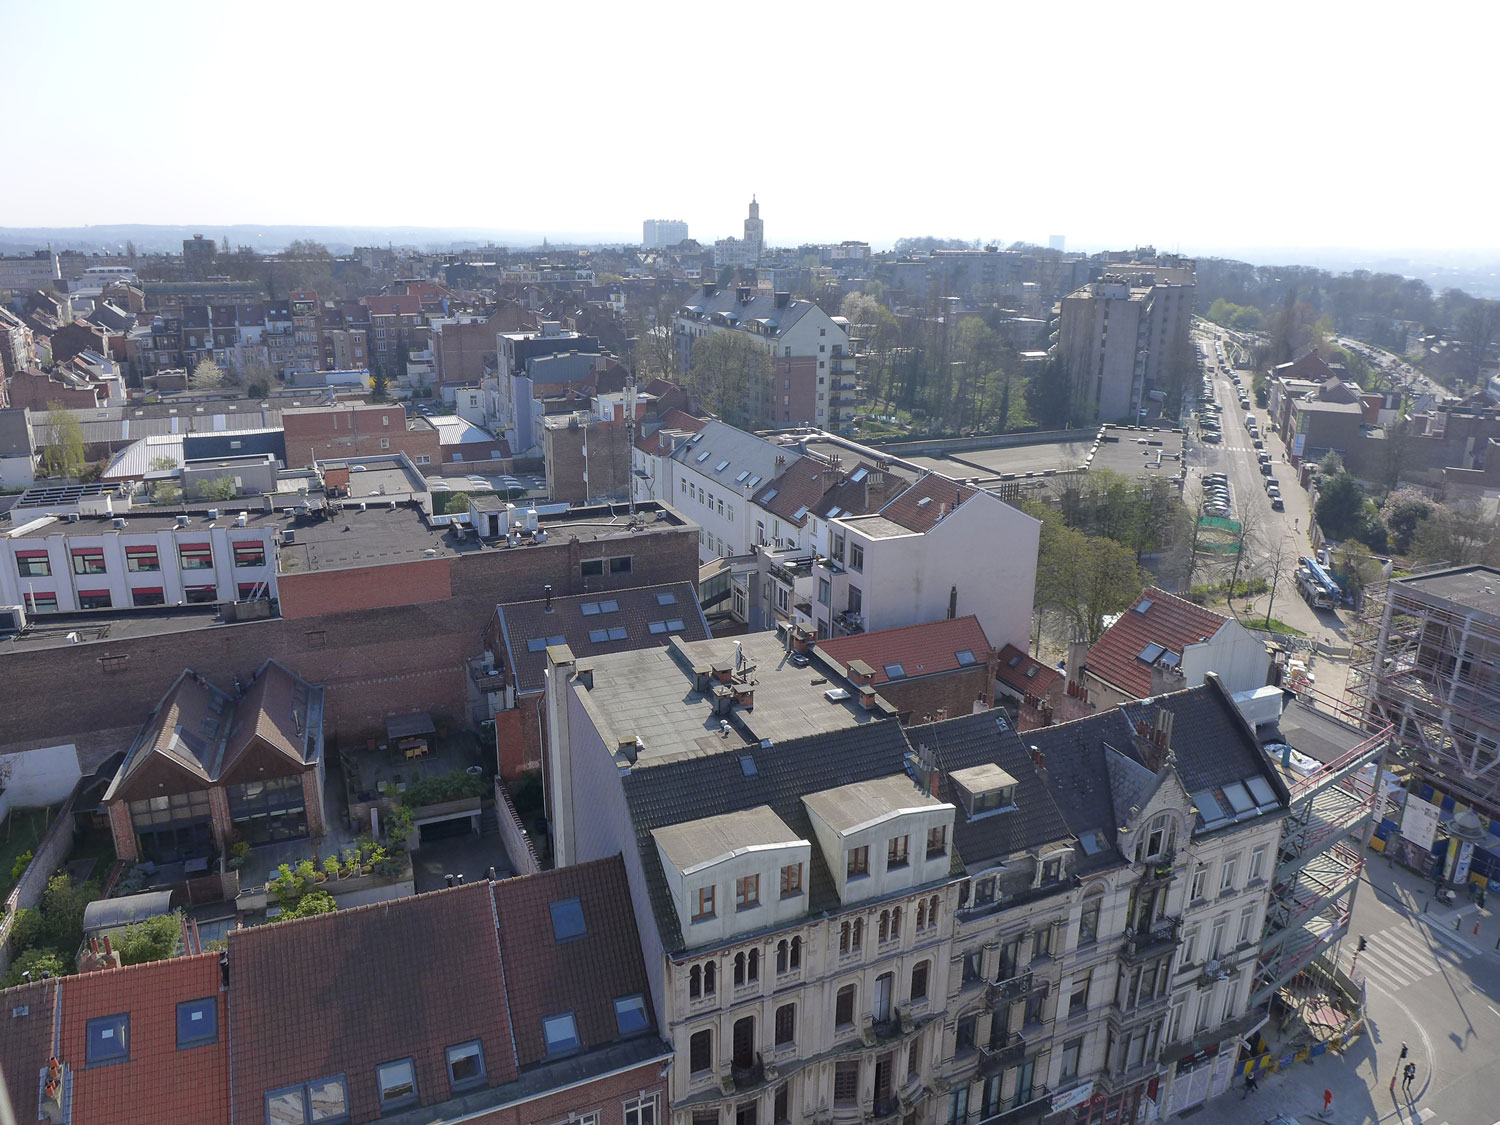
<point x="351" y="862"/>
<point x="331" y="866"/>
<point x="306" y="872"/>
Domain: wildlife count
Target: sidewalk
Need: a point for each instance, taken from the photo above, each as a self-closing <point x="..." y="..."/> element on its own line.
<point x="1412" y="894"/>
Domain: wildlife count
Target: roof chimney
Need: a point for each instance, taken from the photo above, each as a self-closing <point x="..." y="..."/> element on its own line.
<point x="782" y="300"/>
<point x="547" y="592"/>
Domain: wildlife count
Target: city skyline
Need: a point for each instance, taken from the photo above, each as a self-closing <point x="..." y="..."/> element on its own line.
<point x="1172" y="154"/>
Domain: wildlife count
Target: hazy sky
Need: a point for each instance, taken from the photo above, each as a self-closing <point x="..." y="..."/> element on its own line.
<point x="1199" y="125"/>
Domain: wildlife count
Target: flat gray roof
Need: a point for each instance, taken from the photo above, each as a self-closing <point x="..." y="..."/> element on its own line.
<point x="850" y="807"/>
<point x="1318" y="734"/>
<point x="1474" y="587"/>
<point x="353" y="538"/>
<point x="695" y="842"/>
<point x="651" y="694"/>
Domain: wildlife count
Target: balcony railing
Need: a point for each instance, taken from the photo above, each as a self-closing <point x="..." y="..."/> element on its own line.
<point x="1008" y="1051"/>
<point x="1011" y="1108"/>
<point x="1014" y="988"/>
<point x="1160" y="870"/>
<point x="1162" y="936"/>
<point x="751" y="1074"/>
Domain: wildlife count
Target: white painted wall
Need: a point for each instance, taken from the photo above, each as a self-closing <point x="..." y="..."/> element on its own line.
<point x="37" y="778"/>
<point x="1236" y="654"/>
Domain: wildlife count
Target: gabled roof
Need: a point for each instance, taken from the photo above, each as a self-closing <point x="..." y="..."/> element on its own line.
<point x="798" y="489"/>
<point x="26" y="1042"/>
<point x="1158" y="619"/>
<point x="1025" y="673"/>
<point x="738" y="452"/>
<point x="921" y="506"/>
<point x="929" y="649"/>
<point x="188" y="729"/>
<point x="283" y="711"/>
<point x="674" y="421"/>
<point x="344" y="992"/>
<point x="648" y="615"/>
<point x="584" y="975"/>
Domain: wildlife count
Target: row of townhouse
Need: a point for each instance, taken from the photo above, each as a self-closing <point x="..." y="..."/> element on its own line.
<point x="501" y="1002"/>
<point x="812" y="542"/>
<point x="845" y="921"/>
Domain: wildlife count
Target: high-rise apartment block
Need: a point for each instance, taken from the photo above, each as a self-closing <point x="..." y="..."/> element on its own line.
<point x="656" y="233"/>
<point x="1120" y="336"/>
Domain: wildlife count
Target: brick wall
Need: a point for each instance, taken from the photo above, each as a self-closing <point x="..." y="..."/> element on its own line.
<point x="953" y="693"/>
<point x="605" y="1096"/>
<point x="320" y="592"/>
<point x="460" y="350"/>
<point x="607" y="465"/>
<point x="50" y="854"/>
<point x="355" y="431"/>
<point x="517" y="844"/>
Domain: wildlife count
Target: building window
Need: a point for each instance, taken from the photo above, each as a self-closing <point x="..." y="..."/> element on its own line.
<point x="321" y="1100"/>
<point x="843" y="1006"/>
<point x="896" y="851"/>
<point x="858" y="862"/>
<point x="937" y="841"/>
<point x="786" y="1025"/>
<point x="1226" y="877"/>
<point x="973" y="965"/>
<point x="147" y="596"/>
<point x="591" y="568"/>
<point x="107" y="1040"/>
<point x="620" y="565"/>
<point x="1078" y="1000"/>
<point x="561" y="1034"/>
<point x="140" y="560"/>
<point x="701" y="1052"/>
<point x="197" y="1023"/>
<point x="856" y="599"/>
<point x="397" y="1082"/>
<point x="1258" y="864"/>
<point x="88" y="560"/>
<point x="791" y="880"/>
<point x="640" y="1111"/>
<point x="1200" y="881"/>
<point x="846" y="1082"/>
<point x="1247" y="924"/>
<point x="825" y="591"/>
<point x="33" y="564"/>
<point x="1071" y="1052"/>
<point x="248" y="554"/>
<point x="958" y="1105"/>
<point x="856" y="557"/>
<point x="747" y="892"/>
<point x="919" y="974"/>
<point x="196" y="556"/>
<point x="746" y="968"/>
<point x="746" y="1113"/>
<point x="1088" y="921"/>
<point x="705" y="904"/>
<point x="465" y="1065"/>
<point x="630" y="1015"/>
<point x="94" y="599"/>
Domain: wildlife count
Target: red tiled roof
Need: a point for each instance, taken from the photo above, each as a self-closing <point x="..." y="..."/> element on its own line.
<point x="923" y="650"/>
<point x="584" y="975"/>
<point x="798" y="489"/>
<point x="1168" y="621"/>
<point x="159" y="1083"/>
<point x="403" y="304"/>
<point x="1025" y="673"/>
<point x="344" y="992"/>
<point x="26" y="1024"/>
<point x="942" y="496"/>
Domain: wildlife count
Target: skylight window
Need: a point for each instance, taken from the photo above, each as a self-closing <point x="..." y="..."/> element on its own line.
<point x="1169" y="660"/>
<point x="721" y="466"/>
<point x="922" y="503"/>
<point x="617" y="632"/>
<point x="966" y="656"/>
<point x="753" y="482"/>
<point x="1238" y="797"/>
<point x="561" y="1033"/>
<point x="895" y="671"/>
<point x="747" y="765"/>
<point x="800" y="512"/>
<point x="656" y="627"/>
<point x="197" y="1022"/>
<point x="536" y="644"/>
<point x="1151" y="652"/>
<point x="1261" y="791"/>
<point x="833" y="512"/>
<point x="1143" y="605"/>
<point x="567" y="919"/>
<point x="107" y="1040"/>
<point x="630" y="1014"/>
<point x="859" y="475"/>
<point x="769" y="496"/>
<point x="609" y="605"/>
<point x="589" y="609"/>
<point x="675" y="625"/>
<point x="704" y="456"/>
<point x="666" y="599"/>
<point x="742" y="477"/>
<point x="598" y="636"/>
<point x="558" y="639"/>
<point x="1014" y="660"/>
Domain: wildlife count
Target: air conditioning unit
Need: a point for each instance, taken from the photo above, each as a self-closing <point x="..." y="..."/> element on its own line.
<point x="12" y="618"/>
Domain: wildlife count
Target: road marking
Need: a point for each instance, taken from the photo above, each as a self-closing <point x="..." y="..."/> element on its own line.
<point x="1399" y="957"/>
<point x="1492" y="1011"/>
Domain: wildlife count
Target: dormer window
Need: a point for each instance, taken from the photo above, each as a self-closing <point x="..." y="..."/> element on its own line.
<point x="1159" y="839"/>
<point x="985" y="789"/>
<point x="858" y="862"/>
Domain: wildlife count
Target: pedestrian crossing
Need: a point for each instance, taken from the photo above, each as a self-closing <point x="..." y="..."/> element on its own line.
<point x="1401" y="956"/>
<point x="1427" y="1113"/>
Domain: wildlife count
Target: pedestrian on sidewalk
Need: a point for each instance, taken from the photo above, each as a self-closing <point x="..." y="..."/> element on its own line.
<point x="1250" y="1086"/>
<point x="1408" y="1078"/>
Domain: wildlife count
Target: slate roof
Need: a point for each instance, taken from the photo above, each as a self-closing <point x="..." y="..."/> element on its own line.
<point x="941" y="493"/>
<point x="745" y="453"/>
<point x="760" y="307"/>
<point x="341" y="993"/>
<point x="929" y="649"/>
<point x="583" y="975"/>
<point x="677" y="421"/>
<point x="276" y="708"/>
<point x="1025" y="673"/>
<point x="713" y="784"/>
<point x="988" y="738"/>
<point x="799" y="488"/>
<point x="1156" y="617"/>
<point x="523" y="623"/>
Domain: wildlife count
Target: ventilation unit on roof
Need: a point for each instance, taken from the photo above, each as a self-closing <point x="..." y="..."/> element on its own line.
<point x="836" y="695"/>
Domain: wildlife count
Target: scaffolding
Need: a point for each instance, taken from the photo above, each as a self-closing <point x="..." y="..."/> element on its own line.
<point x="1427" y="662"/>
<point x="1321" y="854"/>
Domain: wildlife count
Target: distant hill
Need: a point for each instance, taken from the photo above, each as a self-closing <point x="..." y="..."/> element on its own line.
<point x="150" y="239"/>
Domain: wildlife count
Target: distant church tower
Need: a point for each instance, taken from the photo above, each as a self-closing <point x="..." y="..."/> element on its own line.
<point x="755" y="231"/>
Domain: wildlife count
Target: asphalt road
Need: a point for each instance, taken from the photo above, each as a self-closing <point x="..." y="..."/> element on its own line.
<point x="1286" y="531"/>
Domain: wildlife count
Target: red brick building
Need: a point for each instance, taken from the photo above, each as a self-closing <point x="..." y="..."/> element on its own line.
<point x="938" y="670"/>
<point x="209" y="768"/>
<point x="357" y="429"/>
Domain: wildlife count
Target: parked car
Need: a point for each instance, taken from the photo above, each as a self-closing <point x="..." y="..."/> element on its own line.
<point x="1273" y="483"/>
<point x="1277" y="504"/>
<point x="1259" y="444"/>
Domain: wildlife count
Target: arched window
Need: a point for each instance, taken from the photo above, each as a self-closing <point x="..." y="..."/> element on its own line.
<point x="844" y="938"/>
<point x="781" y="956"/>
<point x="739" y="969"/>
<point x="859" y="933"/>
<point x="695" y="982"/>
<point x="752" y="972"/>
<point x="710" y="977"/>
<point x="885" y="924"/>
<point x="932" y="907"/>
<point x="895" y="923"/>
<point x="796" y="958"/>
<point x="921" y="915"/>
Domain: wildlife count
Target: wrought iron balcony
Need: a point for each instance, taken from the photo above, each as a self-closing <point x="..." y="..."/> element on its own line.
<point x="1023" y="1102"/>
<point x="1007" y="1051"/>
<point x="749" y="1075"/>
<point x="1160" y="870"/>
<point x="1014" y="988"/>
<point x="1164" y="935"/>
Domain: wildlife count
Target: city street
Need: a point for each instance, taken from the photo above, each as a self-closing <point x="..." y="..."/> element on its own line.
<point x="1236" y="457"/>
